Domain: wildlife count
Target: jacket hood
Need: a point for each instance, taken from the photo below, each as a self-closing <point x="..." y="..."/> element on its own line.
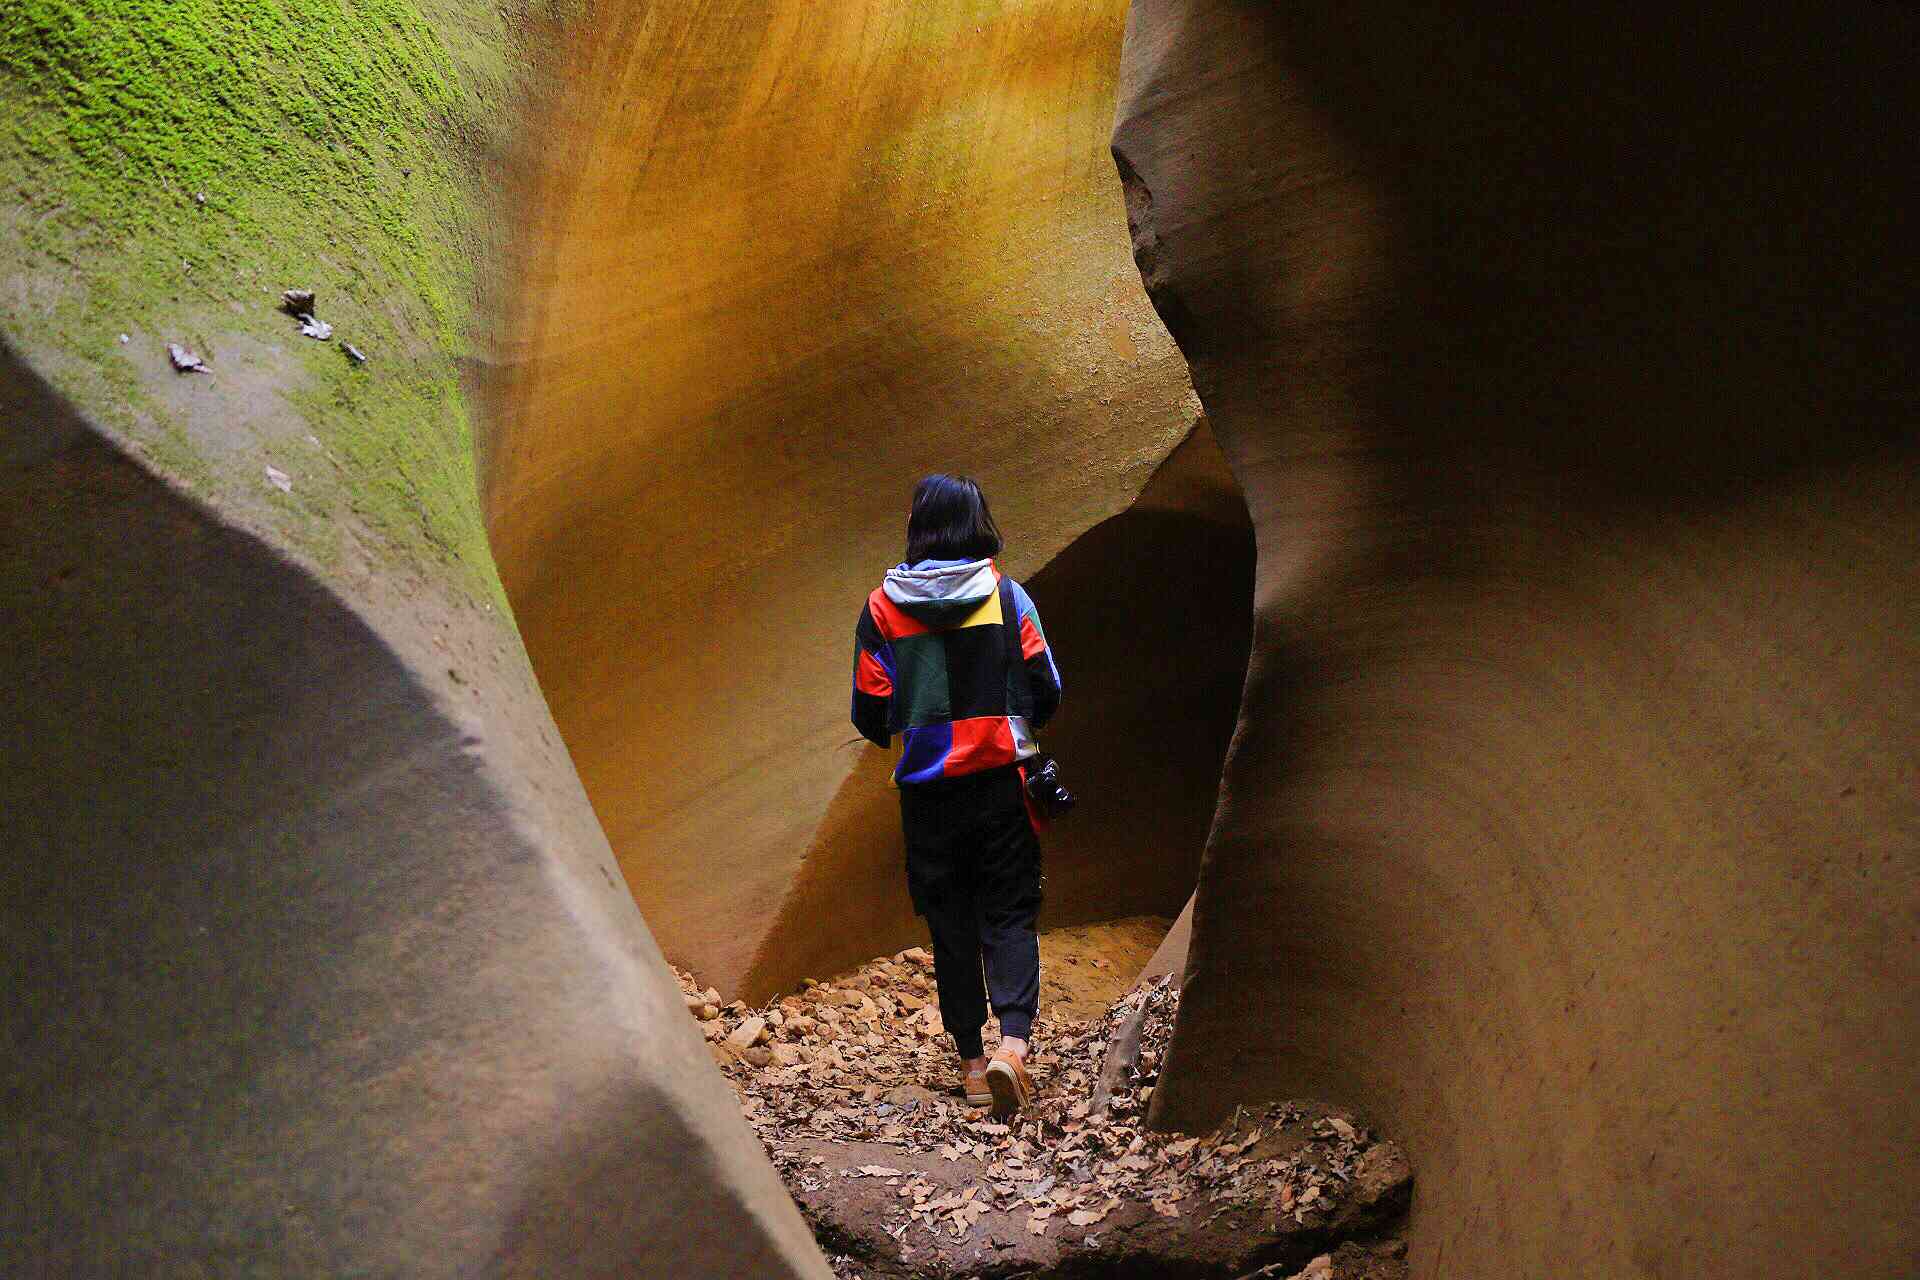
<point x="941" y="592"/>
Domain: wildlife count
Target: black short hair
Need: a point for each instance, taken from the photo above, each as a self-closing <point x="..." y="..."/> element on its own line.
<point x="950" y="521"/>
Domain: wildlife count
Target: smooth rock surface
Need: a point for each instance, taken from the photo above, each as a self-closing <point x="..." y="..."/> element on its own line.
<point x="315" y="961"/>
<point x="1571" y="823"/>
<point x="774" y="263"/>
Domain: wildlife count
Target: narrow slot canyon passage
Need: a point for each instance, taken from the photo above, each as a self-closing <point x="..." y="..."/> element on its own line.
<point x="832" y="1038"/>
<point x="690" y="498"/>
<point x="1464" y="456"/>
<point x="850" y="1081"/>
<point x="730" y="349"/>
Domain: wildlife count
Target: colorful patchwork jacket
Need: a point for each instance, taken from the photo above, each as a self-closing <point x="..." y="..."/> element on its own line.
<point x="950" y="655"/>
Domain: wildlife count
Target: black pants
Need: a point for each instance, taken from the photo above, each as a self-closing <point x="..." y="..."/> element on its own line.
<point x="973" y="870"/>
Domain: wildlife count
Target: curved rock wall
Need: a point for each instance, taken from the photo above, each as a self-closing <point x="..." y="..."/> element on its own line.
<point x="316" y="962"/>
<point x="1570" y="825"/>
<point x="775" y="261"/>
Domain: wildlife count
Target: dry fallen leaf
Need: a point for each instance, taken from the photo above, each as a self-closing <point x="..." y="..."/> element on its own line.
<point x="851" y="1069"/>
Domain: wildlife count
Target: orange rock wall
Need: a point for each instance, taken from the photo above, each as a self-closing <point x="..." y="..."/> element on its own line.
<point x="776" y="261"/>
<point x="1571" y="823"/>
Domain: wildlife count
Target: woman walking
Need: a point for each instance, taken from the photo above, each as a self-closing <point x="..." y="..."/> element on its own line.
<point x="949" y="654"/>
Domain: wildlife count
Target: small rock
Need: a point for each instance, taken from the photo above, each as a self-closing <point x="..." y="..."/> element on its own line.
<point x="186" y="361"/>
<point x="750" y="1032"/>
<point x="1382" y="1175"/>
<point x="279" y="479"/>
<point x="756" y="1056"/>
<point x="125" y="339"/>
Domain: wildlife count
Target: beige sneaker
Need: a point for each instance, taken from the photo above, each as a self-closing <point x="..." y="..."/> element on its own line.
<point x="1008" y="1081"/>
<point x="974" y="1085"/>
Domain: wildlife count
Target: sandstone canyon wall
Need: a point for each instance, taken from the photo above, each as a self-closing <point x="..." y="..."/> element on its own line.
<point x="315" y="960"/>
<point x="1570" y="819"/>
<point x="1571" y="823"/>
<point x="775" y="261"/>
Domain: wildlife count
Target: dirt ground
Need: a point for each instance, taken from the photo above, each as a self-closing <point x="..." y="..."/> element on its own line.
<point x="852" y="1086"/>
<point x="1084" y="969"/>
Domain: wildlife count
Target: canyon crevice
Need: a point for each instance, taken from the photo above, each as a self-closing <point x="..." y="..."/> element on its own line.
<point x="1466" y="460"/>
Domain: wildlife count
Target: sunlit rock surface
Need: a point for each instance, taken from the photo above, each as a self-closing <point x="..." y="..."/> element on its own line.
<point x="1570" y="826"/>
<point x="773" y="264"/>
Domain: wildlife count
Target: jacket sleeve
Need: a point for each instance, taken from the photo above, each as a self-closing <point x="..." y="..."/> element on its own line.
<point x="872" y="680"/>
<point x="1043" y="673"/>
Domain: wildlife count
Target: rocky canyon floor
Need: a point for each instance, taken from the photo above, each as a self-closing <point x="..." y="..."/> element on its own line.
<point x="852" y="1084"/>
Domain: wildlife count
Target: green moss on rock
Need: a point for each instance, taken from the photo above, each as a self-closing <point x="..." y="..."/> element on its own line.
<point x="175" y="164"/>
